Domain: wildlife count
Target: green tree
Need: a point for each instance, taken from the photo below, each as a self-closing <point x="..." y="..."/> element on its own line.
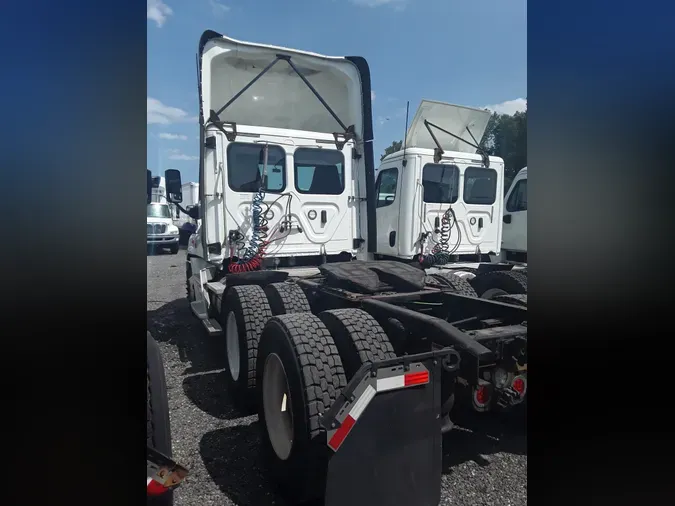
<point x="395" y="146"/>
<point x="506" y="137"/>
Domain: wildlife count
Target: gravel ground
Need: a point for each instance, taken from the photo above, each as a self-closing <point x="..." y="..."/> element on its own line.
<point x="484" y="462"/>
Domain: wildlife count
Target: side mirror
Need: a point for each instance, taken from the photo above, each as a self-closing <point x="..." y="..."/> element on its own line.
<point x="193" y="212"/>
<point x="507" y="218"/>
<point x="149" y="186"/>
<point x="174" y="186"/>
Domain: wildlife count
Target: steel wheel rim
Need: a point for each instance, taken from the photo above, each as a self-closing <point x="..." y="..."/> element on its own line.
<point x="232" y="339"/>
<point x="277" y="406"/>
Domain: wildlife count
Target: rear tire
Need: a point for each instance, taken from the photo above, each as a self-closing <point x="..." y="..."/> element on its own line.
<point x="457" y="284"/>
<point x="358" y="337"/>
<point x="158" y="428"/>
<point x="286" y="298"/>
<point x="493" y="284"/>
<point x="314" y="378"/>
<point x="245" y="313"/>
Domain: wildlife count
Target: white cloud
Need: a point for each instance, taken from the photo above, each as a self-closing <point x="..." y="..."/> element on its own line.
<point x="218" y="8"/>
<point x="397" y="4"/>
<point x="509" y="107"/>
<point x="158" y="11"/>
<point x="372" y="95"/>
<point x="172" y="137"/>
<point x="161" y="114"/>
<point x="175" y="154"/>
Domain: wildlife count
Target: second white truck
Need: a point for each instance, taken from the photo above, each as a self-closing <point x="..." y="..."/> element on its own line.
<point x="439" y="202"/>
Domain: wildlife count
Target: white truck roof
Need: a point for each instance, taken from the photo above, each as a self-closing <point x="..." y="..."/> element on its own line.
<point x="467" y="123"/>
<point x="447" y="155"/>
<point x="229" y="65"/>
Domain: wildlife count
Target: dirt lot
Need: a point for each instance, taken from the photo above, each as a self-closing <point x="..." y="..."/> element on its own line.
<point x="485" y="458"/>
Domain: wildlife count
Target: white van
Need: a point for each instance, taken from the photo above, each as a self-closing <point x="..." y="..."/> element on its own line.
<point x="514" y="232"/>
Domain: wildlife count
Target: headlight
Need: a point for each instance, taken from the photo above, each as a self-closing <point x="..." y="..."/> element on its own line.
<point x="172" y="229"/>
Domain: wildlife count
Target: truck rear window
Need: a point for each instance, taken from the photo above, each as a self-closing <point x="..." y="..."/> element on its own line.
<point x="319" y="171"/>
<point x="245" y="167"/>
<point x="441" y="183"/>
<point x="480" y="186"/>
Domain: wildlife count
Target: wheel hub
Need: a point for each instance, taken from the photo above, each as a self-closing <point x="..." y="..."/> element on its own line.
<point x="232" y="340"/>
<point x="277" y="406"/>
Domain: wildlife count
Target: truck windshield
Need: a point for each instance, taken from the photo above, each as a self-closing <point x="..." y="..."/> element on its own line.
<point x="158" y="211"/>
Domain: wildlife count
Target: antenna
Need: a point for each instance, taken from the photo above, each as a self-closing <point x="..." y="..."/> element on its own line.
<point x="405" y="134"/>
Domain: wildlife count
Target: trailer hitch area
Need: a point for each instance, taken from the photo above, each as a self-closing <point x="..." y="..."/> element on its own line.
<point x="451" y="362"/>
<point x="163" y="474"/>
<point x="383" y="434"/>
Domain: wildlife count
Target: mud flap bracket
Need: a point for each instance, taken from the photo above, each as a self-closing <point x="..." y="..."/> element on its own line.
<point x="384" y="434"/>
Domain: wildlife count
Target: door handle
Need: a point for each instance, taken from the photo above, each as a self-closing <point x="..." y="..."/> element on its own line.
<point x="324" y="217"/>
<point x="507" y="218"/>
<point x="480" y="223"/>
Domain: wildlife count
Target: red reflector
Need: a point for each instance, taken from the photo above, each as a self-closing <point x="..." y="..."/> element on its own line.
<point x="416" y="378"/>
<point x="482" y="395"/>
<point x="519" y="385"/>
<point x="341" y="433"/>
<point x="156" y="488"/>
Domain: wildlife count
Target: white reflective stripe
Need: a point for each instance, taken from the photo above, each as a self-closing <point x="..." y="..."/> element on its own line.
<point x="390" y="383"/>
<point x="148" y="483"/>
<point x="362" y="403"/>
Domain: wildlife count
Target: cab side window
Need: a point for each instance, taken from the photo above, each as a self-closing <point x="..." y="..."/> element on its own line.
<point x="518" y="198"/>
<point x="387" y="181"/>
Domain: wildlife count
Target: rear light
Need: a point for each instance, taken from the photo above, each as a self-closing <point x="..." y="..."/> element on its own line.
<point x="155" y="488"/>
<point x="481" y="397"/>
<point x="519" y="385"/>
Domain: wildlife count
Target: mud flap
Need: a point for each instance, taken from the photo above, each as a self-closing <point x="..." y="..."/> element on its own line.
<point x="384" y="433"/>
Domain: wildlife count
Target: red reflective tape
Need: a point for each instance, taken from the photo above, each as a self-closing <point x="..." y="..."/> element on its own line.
<point x="341" y="433"/>
<point x="155" y="488"/>
<point x="416" y="378"/>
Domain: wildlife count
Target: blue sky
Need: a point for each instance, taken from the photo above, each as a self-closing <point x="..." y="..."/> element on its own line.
<point x="469" y="52"/>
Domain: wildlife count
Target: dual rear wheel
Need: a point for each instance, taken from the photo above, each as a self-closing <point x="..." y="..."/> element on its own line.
<point x="291" y="365"/>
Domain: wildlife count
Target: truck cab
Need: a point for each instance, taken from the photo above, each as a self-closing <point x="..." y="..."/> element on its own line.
<point x="437" y="196"/>
<point x="160" y="230"/>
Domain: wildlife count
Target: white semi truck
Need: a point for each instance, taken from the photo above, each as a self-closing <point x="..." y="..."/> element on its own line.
<point x="353" y="363"/>
<point x="439" y="202"/>
<point x="161" y="233"/>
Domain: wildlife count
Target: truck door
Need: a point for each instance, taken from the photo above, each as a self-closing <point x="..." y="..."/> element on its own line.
<point x="483" y="207"/>
<point x="440" y="190"/>
<point x="387" y="213"/>
<point x="514" y="236"/>
<point x="321" y="184"/>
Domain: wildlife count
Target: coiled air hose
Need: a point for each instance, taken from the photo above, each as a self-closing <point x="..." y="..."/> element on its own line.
<point x="251" y="258"/>
<point x="441" y="253"/>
